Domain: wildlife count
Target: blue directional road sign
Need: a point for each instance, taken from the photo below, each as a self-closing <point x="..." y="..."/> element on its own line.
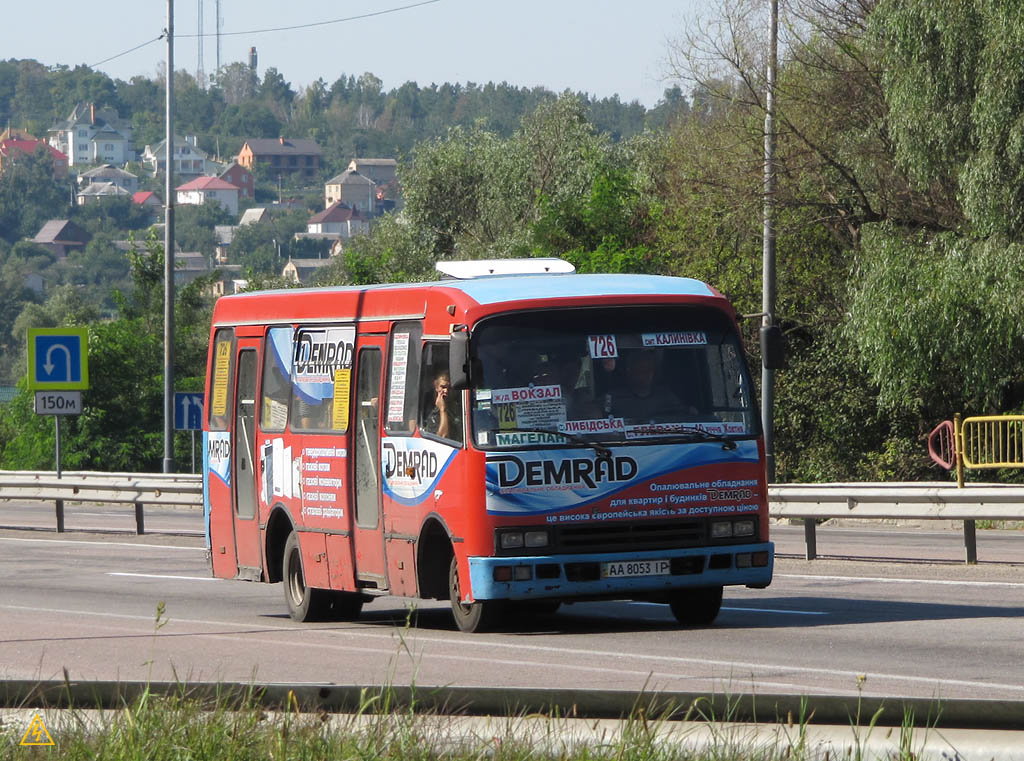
<point x="58" y="359"/>
<point x="188" y="411"/>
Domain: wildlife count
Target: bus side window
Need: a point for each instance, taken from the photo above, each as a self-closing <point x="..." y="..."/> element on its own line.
<point x="440" y="406"/>
<point x="321" y="378"/>
<point x="277" y="385"/>
<point x="221" y="388"/>
<point x="403" y="372"/>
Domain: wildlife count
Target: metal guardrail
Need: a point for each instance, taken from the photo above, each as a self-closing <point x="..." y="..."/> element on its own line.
<point x="928" y="501"/>
<point x="139" y="489"/>
<point x="809" y="502"/>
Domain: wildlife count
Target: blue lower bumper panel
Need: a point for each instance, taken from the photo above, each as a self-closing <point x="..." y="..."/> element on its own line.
<point x="569" y="576"/>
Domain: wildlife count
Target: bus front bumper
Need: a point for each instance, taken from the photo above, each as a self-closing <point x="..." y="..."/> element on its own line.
<point x="612" y="574"/>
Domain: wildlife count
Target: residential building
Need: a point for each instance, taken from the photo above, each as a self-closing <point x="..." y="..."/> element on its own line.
<point x="254" y="216"/>
<point x="61" y="236"/>
<point x="338" y="219"/>
<point x="381" y="171"/>
<point x="148" y="199"/>
<point x="282" y="156"/>
<point x="16" y="142"/>
<point x="203" y="189"/>
<point x="99" y="191"/>
<point x="242" y="179"/>
<point x="302" y="270"/>
<point x="354" y="189"/>
<point x="108" y="173"/>
<point x="229" y="281"/>
<point x="93" y="135"/>
<point x="223" y="235"/>
<point x="187" y="158"/>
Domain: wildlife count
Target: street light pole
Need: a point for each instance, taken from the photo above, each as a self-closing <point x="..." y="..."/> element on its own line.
<point x="169" y="253"/>
<point x="768" y="259"/>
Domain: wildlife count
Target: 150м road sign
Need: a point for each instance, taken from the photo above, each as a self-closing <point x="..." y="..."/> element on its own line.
<point x="58" y="359"/>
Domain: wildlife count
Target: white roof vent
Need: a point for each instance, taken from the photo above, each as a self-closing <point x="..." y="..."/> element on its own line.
<point x="473" y="268"/>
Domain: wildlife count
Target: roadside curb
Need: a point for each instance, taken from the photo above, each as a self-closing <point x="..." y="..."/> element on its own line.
<point x="564" y="703"/>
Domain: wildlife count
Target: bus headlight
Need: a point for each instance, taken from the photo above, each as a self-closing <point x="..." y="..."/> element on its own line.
<point x="743" y="528"/>
<point x="721" y="529"/>
<point x="537" y="539"/>
<point x="511" y="540"/>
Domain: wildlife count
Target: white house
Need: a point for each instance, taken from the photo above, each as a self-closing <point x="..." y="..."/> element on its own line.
<point x="186" y="158"/>
<point x="203" y="189"/>
<point x="93" y="135"/>
<point x="338" y="219"/>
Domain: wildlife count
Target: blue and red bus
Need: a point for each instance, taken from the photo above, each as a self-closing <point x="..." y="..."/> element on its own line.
<point x="506" y="442"/>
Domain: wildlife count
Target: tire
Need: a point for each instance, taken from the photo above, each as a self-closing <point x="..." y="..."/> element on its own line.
<point x="696" y="607"/>
<point x="304" y="603"/>
<point x="479" y="616"/>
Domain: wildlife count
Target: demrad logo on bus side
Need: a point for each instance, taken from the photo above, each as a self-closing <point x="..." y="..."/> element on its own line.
<point x="576" y="471"/>
<point x="317" y="354"/>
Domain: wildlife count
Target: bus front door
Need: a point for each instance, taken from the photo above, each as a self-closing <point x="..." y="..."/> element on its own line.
<point x="244" y="466"/>
<point x="368" y="527"/>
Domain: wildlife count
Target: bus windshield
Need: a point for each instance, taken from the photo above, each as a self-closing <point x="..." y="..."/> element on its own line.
<point x="620" y="374"/>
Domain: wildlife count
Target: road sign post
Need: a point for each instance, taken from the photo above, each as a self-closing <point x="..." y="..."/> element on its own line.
<point x="58" y="371"/>
<point x="188" y="415"/>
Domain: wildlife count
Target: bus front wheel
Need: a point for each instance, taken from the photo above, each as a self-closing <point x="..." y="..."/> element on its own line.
<point x="304" y="603"/>
<point x="696" y="607"/>
<point x="478" y="616"/>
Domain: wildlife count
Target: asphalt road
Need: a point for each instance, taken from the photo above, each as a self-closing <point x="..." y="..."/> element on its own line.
<point x="904" y="619"/>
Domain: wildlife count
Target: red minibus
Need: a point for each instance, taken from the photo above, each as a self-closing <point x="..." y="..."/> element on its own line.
<point x="507" y="442"/>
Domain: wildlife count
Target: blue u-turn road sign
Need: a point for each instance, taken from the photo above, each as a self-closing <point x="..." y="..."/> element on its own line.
<point x="188" y="410"/>
<point x="58" y="359"/>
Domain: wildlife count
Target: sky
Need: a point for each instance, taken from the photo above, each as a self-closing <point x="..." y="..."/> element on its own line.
<point x="596" y="46"/>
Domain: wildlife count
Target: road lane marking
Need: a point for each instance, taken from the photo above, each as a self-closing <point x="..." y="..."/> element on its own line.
<point x="162" y="576"/>
<point x="462" y="644"/>
<point x="883" y="580"/>
<point x="101" y="544"/>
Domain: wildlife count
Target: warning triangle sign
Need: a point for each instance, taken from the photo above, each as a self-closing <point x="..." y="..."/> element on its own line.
<point x="36" y="733"/>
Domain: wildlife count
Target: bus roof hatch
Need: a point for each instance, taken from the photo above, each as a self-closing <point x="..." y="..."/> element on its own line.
<point x="474" y="268"/>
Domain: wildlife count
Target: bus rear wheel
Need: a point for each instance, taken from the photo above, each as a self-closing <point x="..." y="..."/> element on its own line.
<point x="478" y="616"/>
<point x="304" y="603"/>
<point x="696" y="607"/>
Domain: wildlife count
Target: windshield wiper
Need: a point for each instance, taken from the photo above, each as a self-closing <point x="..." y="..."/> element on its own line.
<point x="603" y="452"/>
<point x="688" y="433"/>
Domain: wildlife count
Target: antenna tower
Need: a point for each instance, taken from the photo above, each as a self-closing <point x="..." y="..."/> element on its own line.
<point x="219" y="23"/>
<point x="200" y="74"/>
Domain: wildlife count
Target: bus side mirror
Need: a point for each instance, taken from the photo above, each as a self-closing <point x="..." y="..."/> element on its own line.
<point x="458" y="360"/>
<point x="772" y="353"/>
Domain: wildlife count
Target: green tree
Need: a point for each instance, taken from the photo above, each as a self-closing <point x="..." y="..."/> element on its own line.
<point x="29" y="196"/>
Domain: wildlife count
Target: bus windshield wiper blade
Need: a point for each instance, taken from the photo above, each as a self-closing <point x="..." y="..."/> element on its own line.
<point x="689" y="433"/>
<point x="602" y="451"/>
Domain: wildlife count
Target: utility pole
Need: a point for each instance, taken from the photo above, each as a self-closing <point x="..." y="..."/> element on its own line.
<point x="169" y="254"/>
<point x="768" y="259"/>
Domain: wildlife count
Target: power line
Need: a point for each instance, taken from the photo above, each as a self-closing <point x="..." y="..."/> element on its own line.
<point x="318" y="23"/>
<point x="271" y="29"/>
<point x="130" y="50"/>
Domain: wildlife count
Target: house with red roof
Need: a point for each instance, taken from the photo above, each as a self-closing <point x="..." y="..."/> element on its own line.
<point x="203" y="189"/>
<point x="15" y="143"/>
<point x="147" y="199"/>
<point x="338" y="219"/>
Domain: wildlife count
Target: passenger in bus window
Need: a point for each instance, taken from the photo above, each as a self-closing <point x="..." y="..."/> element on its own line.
<point x="445" y="416"/>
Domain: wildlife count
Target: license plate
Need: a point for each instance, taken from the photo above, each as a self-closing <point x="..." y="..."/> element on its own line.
<point x="626" y="568"/>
